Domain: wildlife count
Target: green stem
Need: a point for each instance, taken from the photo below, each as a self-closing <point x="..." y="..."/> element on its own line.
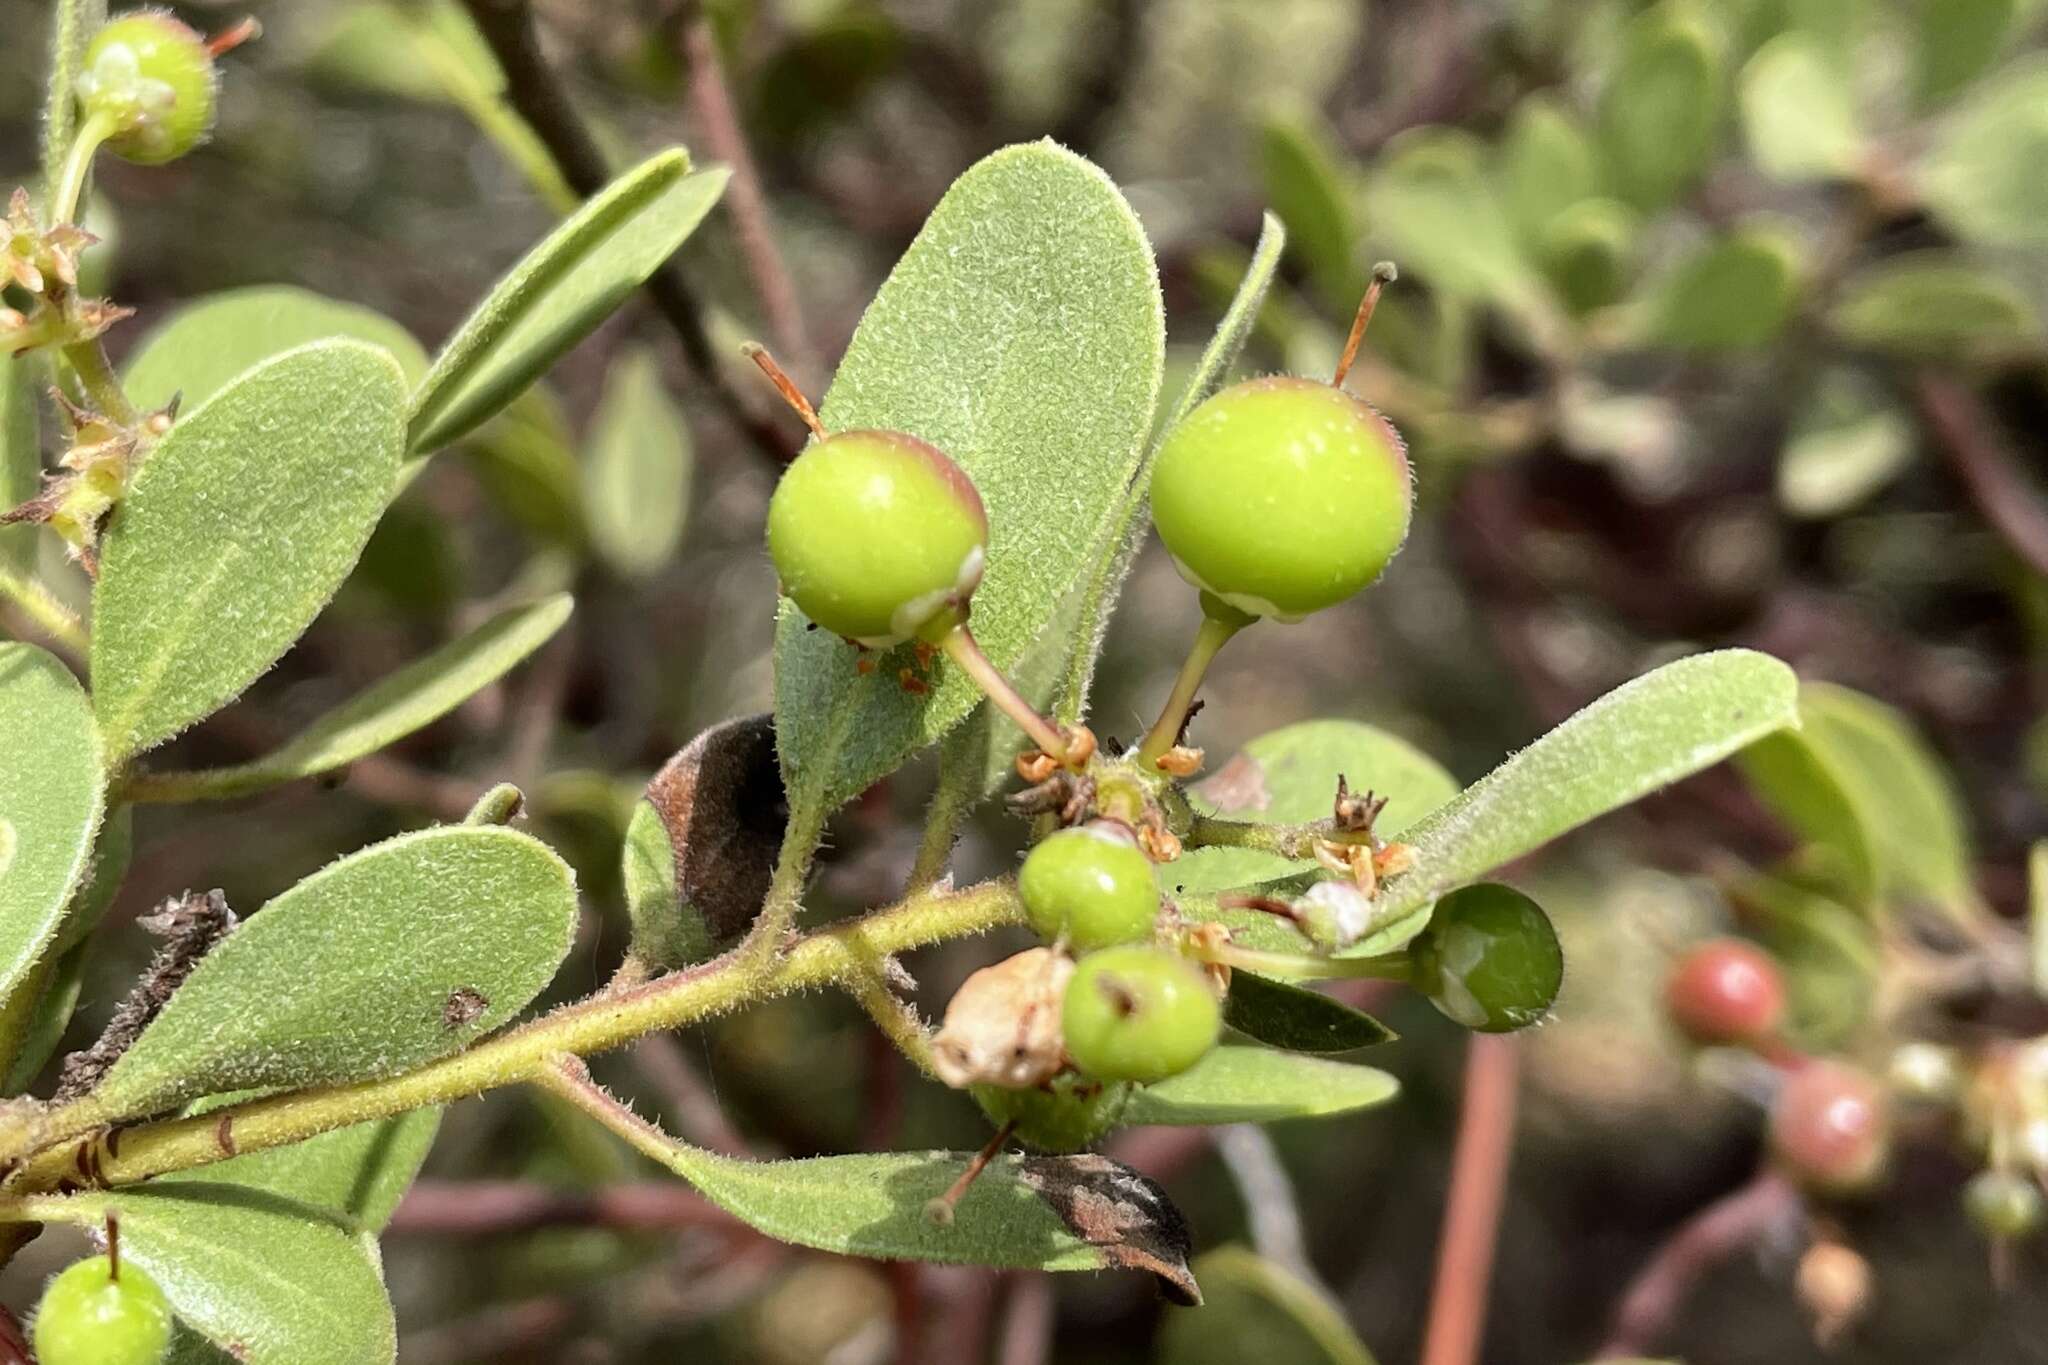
<point x="1289" y="841"/>
<point x="52" y="617"/>
<point x="47" y="1139"/>
<point x="961" y="648"/>
<point x="1304" y="966"/>
<point x="809" y="807"/>
<point x="88" y="360"/>
<point x="70" y="186"/>
<point x="1220" y="621"/>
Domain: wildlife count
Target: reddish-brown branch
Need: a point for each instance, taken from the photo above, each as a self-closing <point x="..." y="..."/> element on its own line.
<point x="1983" y="460"/>
<point x="1479" y="1174"/>
<point x="1709" y="1237"/>
<point x="468" y="1208"/>
<point x="1026" y="1334"/>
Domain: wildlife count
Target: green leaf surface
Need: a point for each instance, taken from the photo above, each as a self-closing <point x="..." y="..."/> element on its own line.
<point x="1733" y="294"/>
<point x="1588" y="252"/>
<point x="1255" y="1309"/>
<point x="1305" y="188"/>
<point x="558" y="292"/>
<point x="1660" y="111"/>
<point x="1799" y="111"/>
<point x="1932" y="305"/>
<point x="49" y="991"/>
<point x="1983" y="175"/>
<point x="52" y="797"/>
<point x="193" y="353"/>
<point x="1957" y="40"/>
<point x="386" y="959"/>
<point x="1258" y="1085"/>
<point x="1646" y="734"/>
<point x="21" y="461"/>
<point x="1289" y="776"/>
<point x="410" y="699"/>
<point x="1545" y="164"/>
<point x="1849" y="442"/>
<point x="1022" y="334"/>
<point x="1829" y="952"/>
<point x="267" y="1280"/>
<point x="359" y="1172"/>
<point x="1298" y="1019"/>
<point x="58" y="987"/>
<point x="1435" y="211"/>
<point x="410" y="51"/>
<point x="637" y="474"/>
<point x="241" y="524"/>
<point x="525" y="460"/>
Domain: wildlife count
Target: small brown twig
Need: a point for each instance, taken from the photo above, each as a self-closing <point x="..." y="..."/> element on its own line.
<point x="1479" y="1171"/>
<point x="1984" y="462"/>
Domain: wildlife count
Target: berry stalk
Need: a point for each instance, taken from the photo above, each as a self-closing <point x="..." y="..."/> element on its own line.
<point x="1220" y="621"/>
<point x="960" y="646"/>
<point x="70" y="186"/>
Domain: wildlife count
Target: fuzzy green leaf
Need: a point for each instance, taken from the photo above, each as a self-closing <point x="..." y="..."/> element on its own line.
<point x="1660" y="110"/>
<point x="52" y="796"/>
<point x="265" y="1279"/>
<point x="411" y="698"/>
<point x="1258" y="1085"/>
<point x="241" y="524"/>
<point x="359" y="1172"/>
<point x="387" y="959"/>
<point x="21" y="461"/>
<point x="1021" y="334"/>
<point x="193" y="353"/>
<point x="1983" y="176"/>
<point x="1644" y="735"/>
<point x="1730" y="295"/>
<point x="1255" y="1309"/>
<point x="1928" y="305"/>
<point x="1799" y="111"/>
<point x="48" y="993"/>
<point x="637" y="475"/>
<point x="1298" y="1019"/>
<point x="558" y="292"/>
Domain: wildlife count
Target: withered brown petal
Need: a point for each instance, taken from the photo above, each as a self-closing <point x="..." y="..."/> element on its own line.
<point x="1121" y="1213"/>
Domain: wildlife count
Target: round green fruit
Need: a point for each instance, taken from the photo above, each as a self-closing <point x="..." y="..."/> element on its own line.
<point x="1065" y="1114"/>
<point x="1282" y="496"/>
<point x="2004" y="1204"/>
<point x="87" y="1317"/>
<point x="153" y="79"/>
<point x="1139" y="1013"/>
<point x="877" y="536"/>
<point x="1488" y="959"/>
<point x="1091" y="885"/>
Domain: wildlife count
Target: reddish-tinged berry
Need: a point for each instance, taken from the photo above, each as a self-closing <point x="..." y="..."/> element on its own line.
<point x="1830" y="1127"/>
<point x="1726" y="991"/>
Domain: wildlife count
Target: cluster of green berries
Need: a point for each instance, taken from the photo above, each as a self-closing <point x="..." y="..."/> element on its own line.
<point x="92" y="1315"/>
<point x="151" y="83"/>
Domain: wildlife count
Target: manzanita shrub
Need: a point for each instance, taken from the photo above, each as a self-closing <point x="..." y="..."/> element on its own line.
<point x="951" y="545"/>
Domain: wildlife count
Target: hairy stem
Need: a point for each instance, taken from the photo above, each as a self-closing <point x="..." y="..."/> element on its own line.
<point x="1289" y="841"/>
<point x="51" y="617"/>
<point x="88" y="360"/>
<point x="1217" y="628"/>
<point x="1303" y="966"/>
<point x="961" y="648"/>
<point x="70" y="187"/>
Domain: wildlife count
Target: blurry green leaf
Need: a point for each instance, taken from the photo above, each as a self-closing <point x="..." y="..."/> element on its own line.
<point x="196" y="350"/>
<point x="49" y="1014"/>
<point x="73" y="22"/>
<point x="265" y="1279"/>
<point x="1022" y="335"/>
<point x="1660" y="111"/>
<point x="822" y="71"/>
<point x="637" y="474"/>
<point x="1546" y="164"/>
<point x="1305" y="188"/>
<point x="52" y="796"/>
<point x="1830" y="956"/>
<point x="1805" y="783"/>
<point x="410" y="699"/>
<point x="1236" y="1084"/>
<point x="1983" y="175"/>
<point x="558" y="292"/>
<point x="1588" y="251"/>
<point x="405" y="49"/>
<point x="2037" y="912"/>
<point x="33" y="1018"/>
<point x="359" y="1172"/>
<point x="526" y="461"/>
<point x="1434" y="210"/>
<point x="1849" y="442"/>
<point x="238" y="528"/>
<point x="413" y="567"/>
<point x="21" y="461"/>
<point x="387" y="959"/>
<point x="1646" y="734"/>
<point x="1733" y="294"/>
<point x="1254" y="1309"/>
<point x="1957" y="40"/>
<point x="1288" y="776"/>
<point x="1298" y="1019"/>
<point x="1933" y="305"/>
<point x="1799" y="111"/>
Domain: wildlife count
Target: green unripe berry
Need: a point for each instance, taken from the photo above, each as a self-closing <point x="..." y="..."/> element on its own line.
<point x="2004" y="1204"/>
<point x="1139" y="1013"/>
<point x="1065" y="1114"/>
<point x="1091" y="885"/>
<point x="1488" y="959"/>
<point x="87" y="1317"/>
<point x="1282" y="496"/>
<point x="154" y="79"/>
<point x="877" y="536"/>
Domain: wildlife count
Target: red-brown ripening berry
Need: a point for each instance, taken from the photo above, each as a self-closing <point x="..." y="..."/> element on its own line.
<point x="1726" y="990"/>
<point x="1830" y="1127"/>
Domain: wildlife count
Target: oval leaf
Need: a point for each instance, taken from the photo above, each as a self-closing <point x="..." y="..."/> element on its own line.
<point x="21" y="463"/>
<point x="637" y="477"/>
<point x="241" y="524"/>
<point x="1259" y="1085"/>
<point x="1730" y="295"/>
<point x="1983" y="176"/>
<point x="563" y="288"/>
<point x="1254" y="1309"/>
<point x="1022" y="334"/>
<point x="51" y="800"/>
<point x="1661" y="109"/>
<point x="1934" y="305"/>
<point x="1305" y="185"/>
<point x="1298" y="1019"/>
<point x="385" y="960"/>
<point x="1799" y="111"/>
<point x="1545" y="164"/>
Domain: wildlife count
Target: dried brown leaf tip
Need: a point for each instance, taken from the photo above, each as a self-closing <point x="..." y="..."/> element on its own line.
<point x="722" y="803"/>
<point x="192" y="926"/>
<point x="1120" y="1213"/>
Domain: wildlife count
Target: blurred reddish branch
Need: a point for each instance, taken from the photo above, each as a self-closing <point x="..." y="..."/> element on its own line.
<point x="1983" y="460"/>
<point x="1479" y="1174"/>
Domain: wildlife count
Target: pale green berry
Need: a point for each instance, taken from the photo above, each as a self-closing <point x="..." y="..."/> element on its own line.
<point x="154" y="79"/>
<point x="878" y="537"/>
<point x="1139" y="1013"/>
<point x="1488" y="959"/>
<point x="1065" y="1114"/>
<point x="1091" y="885"/>
<point x="87" y="1317"/>
<point x="2004" y="1204"/>
<point x="1282" y="496"/>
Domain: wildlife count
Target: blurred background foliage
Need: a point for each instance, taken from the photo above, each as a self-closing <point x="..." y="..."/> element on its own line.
<point x="1719" y="323"/>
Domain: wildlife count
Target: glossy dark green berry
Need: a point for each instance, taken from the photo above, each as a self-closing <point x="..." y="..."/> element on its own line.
<point x="1488" y="959"/>
<point x="878" y="537"/>
<point x="1139" y="1013"/>
<point x="1065" y="1114"/>
<point x="153" y="80"/>
<point x="2005" y="1204"/>
<point x="88" y="1317"/>
<point x="1282" y="496"/>
<point x="1091" y="885"/>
